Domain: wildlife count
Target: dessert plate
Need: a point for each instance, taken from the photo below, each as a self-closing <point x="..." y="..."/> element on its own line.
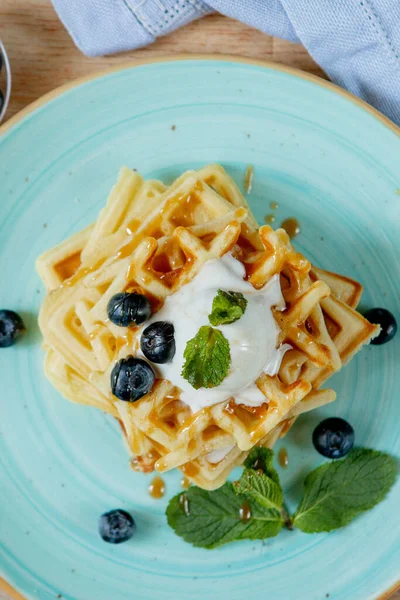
<point x="329" y="161"/>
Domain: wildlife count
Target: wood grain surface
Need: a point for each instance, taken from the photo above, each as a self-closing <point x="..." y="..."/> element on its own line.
<point x="43" y="56"/>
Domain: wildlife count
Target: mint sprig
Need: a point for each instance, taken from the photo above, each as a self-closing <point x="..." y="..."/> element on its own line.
<point x="207" y="358"/>
<point x="262" y="459"/>
<point x="260" y="481"/>
<point x="227" y="307"/>
<point x="334" y="495"/>
<point x="339" y="491"/>
<point x="214" y="518"/>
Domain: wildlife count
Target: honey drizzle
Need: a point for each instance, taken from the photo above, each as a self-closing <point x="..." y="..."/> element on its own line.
<point x="185" y="215"/>
<point x="157" y="488"/>
<point x="185" y="483"/>
<point x="258" y="411"/>
<point x="127" y="249"/>
<point x="258" y="465"/>
<point x="80" y="273"/>
<point x="184" y="504"/>
<point x="69" y="266"/>
<point x="132" y="226"/>
<point x="283" y="458"/>
<point x="248" y="179"/>
<point x="291" y="226"/>
<point x="129" y="339"/>
<point x="98" y="326"/>
<point x="190" y="469"/>
<point x="245" y="512"/>
<point x="230" y="407"/>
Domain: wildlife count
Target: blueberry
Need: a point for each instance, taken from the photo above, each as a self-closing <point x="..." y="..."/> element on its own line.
<point x="116" y="526"/>
<point x="158" y="343"/>
<point x="126" y="309"/>
<point x="131" y="378"/>
<point x="333" y="437"/>
<point x="11" y="327"/>
<point x="386" y="320"/>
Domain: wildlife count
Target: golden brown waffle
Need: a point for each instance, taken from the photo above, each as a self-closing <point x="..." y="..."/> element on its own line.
<point x="154" y="239"/>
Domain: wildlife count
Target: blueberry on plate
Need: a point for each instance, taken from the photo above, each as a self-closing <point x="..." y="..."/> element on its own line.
<point x="333" y="437"/>
<point x="131" y="378"/>
<point x="127" y="309"/>
<point x="11" y="327"/>
<point x="116" y="526"/>
<point x="386" y="320"/>
<point x="158" y="342"/>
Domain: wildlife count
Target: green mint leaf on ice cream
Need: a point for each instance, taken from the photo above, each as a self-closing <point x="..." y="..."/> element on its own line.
<point x="207" y="358"/>
<point x="227" y="307"/>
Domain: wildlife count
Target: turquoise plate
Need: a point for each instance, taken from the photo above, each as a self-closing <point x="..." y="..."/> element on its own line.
<point x="326" y="159"/>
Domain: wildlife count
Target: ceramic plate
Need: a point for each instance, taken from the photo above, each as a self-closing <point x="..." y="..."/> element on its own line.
<point x="327" y="160"/>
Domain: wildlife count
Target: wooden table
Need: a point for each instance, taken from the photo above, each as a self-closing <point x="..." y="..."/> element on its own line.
<point x="43" y="57"/>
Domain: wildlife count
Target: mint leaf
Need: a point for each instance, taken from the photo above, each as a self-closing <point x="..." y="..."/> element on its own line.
<point x="260" y="481"/>
<point x="214" y="518"/>
<point x="207" y="358"/>
<point x="227" y="307"/>
<point x="262" y="458"/>
<point x="253" y="508"/>
<point x="260" y="488"/>
<point x="338" y="491"/>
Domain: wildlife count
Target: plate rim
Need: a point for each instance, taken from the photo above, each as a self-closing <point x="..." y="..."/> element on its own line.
<point x="180" y="57"/>
<point x="5" y="586"/>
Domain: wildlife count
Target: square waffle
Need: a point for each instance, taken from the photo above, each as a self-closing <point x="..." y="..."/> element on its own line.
<point x="153" y="240"/>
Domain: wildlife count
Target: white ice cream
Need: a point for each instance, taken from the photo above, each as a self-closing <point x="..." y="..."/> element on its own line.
<point x="215" y="456"/>
<point x="252" y="338"/>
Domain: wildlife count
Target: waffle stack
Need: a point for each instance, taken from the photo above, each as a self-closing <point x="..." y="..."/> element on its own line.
<point x="152" y="240"/>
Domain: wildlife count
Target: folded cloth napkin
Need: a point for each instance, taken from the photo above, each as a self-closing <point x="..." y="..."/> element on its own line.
<point x="356" y="42"/>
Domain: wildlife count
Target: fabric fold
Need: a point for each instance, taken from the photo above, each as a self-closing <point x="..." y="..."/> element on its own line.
<point x="357" y="43"/>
